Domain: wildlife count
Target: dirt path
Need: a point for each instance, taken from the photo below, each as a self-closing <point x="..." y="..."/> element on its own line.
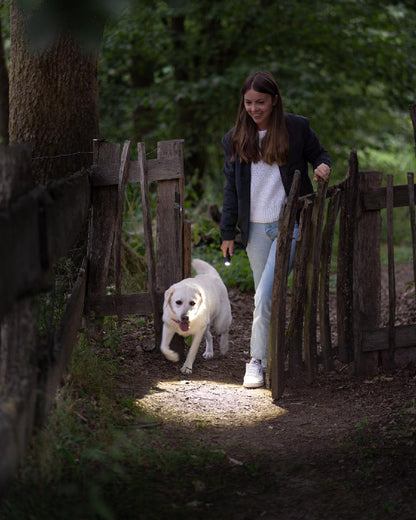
<point x="309" y="427"/>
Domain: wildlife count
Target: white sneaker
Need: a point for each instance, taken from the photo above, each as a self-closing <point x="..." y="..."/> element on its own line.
<point x="254" y="375"/>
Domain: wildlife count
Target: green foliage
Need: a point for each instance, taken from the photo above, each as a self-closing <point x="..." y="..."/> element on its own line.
<point x="238" y="274"/>
<point x="205" y="231"/>
<point x="174" y="70"/>
<point x="206" y="242"/>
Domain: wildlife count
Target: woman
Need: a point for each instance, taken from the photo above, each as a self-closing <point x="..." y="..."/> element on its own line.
<point x="262" y="152"/>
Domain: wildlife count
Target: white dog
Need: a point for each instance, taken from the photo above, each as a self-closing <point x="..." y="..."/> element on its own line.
<point x="190" y="308"/>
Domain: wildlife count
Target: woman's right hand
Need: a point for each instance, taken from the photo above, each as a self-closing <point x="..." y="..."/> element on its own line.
<point x="227" y="244"/>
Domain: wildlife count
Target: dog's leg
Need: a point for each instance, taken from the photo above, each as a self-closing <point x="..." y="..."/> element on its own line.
<point x="209" y="348"/>
<point x="224" y="343"/>
<point x="167" y="335"/>
<point x="190" y="358"/>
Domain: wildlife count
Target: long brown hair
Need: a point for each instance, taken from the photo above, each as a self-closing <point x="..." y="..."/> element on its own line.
<point x="245" y="141"/>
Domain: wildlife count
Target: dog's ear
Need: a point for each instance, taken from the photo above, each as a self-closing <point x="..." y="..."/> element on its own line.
<point x="201" y="299"/>
<point x="168" y="296"/>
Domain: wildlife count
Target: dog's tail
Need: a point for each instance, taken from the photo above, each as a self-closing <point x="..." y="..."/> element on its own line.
<point x="202" y="267"/>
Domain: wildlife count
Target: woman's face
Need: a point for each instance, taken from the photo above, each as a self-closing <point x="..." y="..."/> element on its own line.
<point x="259" y="106"/>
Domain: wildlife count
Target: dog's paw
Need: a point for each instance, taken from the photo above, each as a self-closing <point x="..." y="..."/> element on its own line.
<point x="186" y="370"/>
<point x="224" y="350"/>
<point x="208" y="355"/>
<point x="170" y="354"/>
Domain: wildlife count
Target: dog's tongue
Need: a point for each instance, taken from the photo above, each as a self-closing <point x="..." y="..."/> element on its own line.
<point x="184" y="325"/>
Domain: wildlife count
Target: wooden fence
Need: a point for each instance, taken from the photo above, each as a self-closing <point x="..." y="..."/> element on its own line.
<point x="38" y="226"/>
<point x="358" y="200"/>
<point x="111" y="173"/>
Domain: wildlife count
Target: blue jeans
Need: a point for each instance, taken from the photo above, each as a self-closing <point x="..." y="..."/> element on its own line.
<point x="261" y="251"/>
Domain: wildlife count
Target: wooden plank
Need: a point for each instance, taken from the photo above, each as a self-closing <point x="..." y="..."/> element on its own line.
<point x="16" y="427"/>
<point x="64" y="341"/>
<point x="160" y="169"/>
<point x="169" y="225"/>
<point x="327" y="242"/>
<point x="130" y="304"/>
<point x="277" y="337"/>
<point x="412" y="110"/>
<point x="345" y="274"/>
<point x="9" y="461"/>
<point x="47" y="222"/>
<point x="295" y="326"/>
<point x="121" y="189"/>
<point x="312" y="283"/>
<point x="367" y="271"/>
<point x="378" y="339"/>
<point x="102" y="222"/>
<point x="21" y="270"/>
<point x="18" y="372"/>
<point x="170" y="215"/>
<point x="410" y="183"/>
<point x="388" y="361"/>
<point x="150" y="249"/>
<point x="376" y="199"/>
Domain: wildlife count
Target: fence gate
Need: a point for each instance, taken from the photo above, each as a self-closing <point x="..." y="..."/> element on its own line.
<point x="294" y="354"/>
<point x="168" y="260"/>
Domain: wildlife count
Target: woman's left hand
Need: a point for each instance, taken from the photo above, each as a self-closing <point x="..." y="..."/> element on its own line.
<point x="323" y="171"/>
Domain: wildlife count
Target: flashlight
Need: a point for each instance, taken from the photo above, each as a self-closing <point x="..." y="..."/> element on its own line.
<point x="227" y="262"/>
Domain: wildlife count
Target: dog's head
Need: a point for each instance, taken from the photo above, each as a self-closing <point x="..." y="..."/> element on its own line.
<point x="182" y="304"/>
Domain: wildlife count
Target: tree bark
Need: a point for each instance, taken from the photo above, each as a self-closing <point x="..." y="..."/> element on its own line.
<point x="4" y="94"/>
<point x="53" y="100"/>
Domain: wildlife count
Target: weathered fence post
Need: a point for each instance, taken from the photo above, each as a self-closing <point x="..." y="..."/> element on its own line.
<point x="388" y="357"/>
<point x="326" y="255"/>
<point x="412" y="110"/>
<point x="121" y="189"/>
<point x="170" y="216"/>
<point x="298" y="300"/>
<point x="149" y="243"/>
<point x="367" y="274"/>
<point x="170" y="225"/>
<point x="103" y="219"/>
<point x="18" y="370"/>
<point x="312" y="282"/>
<point x="411" y="191"/>
<point x="277" y="339"/>
<point x="345" y="269"/>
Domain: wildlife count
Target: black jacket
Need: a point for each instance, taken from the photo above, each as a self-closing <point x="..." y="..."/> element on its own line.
<point x="304" y="148"/>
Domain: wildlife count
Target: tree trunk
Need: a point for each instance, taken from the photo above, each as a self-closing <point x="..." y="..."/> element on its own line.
<point x="4" y="94"/>
<point x="53" y="100"/>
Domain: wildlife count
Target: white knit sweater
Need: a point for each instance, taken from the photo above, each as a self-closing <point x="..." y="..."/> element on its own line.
<point x="267" y="191"/>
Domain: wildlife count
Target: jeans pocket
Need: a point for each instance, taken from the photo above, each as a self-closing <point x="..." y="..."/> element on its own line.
<point x="271" y="230"/>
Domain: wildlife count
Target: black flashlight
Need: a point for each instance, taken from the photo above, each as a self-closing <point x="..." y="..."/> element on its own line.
<point x="227" y="262"/>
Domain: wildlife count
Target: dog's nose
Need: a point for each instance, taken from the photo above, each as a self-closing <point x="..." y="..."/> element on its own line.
<point x="184" y="317"/>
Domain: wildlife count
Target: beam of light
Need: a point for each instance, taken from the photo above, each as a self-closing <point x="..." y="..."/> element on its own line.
<point x="201" y="402"/>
